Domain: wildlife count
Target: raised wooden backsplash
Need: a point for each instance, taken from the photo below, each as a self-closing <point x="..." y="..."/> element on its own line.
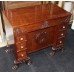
<point x="19" y="4"/>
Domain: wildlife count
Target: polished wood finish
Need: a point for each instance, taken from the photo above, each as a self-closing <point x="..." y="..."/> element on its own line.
<point x="19" y="4"/>
<point x="37" y="27"/>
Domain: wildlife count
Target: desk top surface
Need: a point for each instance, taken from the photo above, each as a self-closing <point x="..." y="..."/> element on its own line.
<point x="34" y="14"/>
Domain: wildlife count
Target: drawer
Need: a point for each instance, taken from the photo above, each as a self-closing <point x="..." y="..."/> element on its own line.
<point x="21" y="55"/>
<point x="60" y="41"/>
<point x="61" y="34"/>
<point x="20" y="39"/>
<point x="21" y="46"/>
<point x="62" y="26"/>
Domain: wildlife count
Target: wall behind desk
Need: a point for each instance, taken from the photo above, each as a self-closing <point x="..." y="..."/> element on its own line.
<point x="19" y="4"/>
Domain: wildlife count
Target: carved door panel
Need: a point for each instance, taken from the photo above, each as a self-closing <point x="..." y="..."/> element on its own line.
<point x="38" y="39"/>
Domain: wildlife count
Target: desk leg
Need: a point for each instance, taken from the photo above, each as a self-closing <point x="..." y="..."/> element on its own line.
<point x="17" y="63"/>
<point x="28" y="61"/>
<point x="15" y="66"/>
<point x="53" y="51"/>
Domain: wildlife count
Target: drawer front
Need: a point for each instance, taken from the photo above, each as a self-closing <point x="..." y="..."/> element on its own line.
<point x="21" y="46"/>
<point x="19" y="35"/>
<point x="20" y="39"/>
<point x="20" y="43"/>
<point x="21" y="55"/>
<point x="61" y="34"/>
<point x="60" y="42"/>
<point x="63" y="26"/>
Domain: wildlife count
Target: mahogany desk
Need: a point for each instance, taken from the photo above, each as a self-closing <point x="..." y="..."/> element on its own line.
<point x="37" y="27"/>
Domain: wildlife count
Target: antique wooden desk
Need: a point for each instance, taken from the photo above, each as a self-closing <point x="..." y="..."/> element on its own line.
<point x="37" y="27"/>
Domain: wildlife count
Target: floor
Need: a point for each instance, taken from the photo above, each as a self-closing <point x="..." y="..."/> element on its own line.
<point x="41" y="60"/>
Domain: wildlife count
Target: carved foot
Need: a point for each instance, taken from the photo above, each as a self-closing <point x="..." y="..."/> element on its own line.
<point x="7" y="49"/>
<point x="62" y="50"/>
<point x="15" y="62"/>
<point x="52" y="53"/>
<point x="54" y="49"/>
<point x="28" y="61"/>
<point x="15" y="66"/>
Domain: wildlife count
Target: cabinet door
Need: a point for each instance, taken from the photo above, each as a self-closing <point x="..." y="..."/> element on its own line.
<point x="38" y="39"/>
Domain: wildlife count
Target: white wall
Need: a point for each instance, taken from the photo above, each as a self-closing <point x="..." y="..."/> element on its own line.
<point x="1" y="30"/>
<point x="3" y="41"/>
<point x="72" y="27"/>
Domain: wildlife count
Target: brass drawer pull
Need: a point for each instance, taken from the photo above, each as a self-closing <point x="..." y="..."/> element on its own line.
<point x="21" y="38"/>
<point x="63" y="27"/>
<point x="22" y="47"/>
<point x="62" y="34"/>
<point x="22" y="55"/>
<point x="60" y="41"/>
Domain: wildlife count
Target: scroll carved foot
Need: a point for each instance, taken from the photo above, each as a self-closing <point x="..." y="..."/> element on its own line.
<point x="62" y="50"/>
<point x="28" y="61"/>
<point x="53" y="51"/>
<point x="7" y="49"/>
<point x="15" y="66"/>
